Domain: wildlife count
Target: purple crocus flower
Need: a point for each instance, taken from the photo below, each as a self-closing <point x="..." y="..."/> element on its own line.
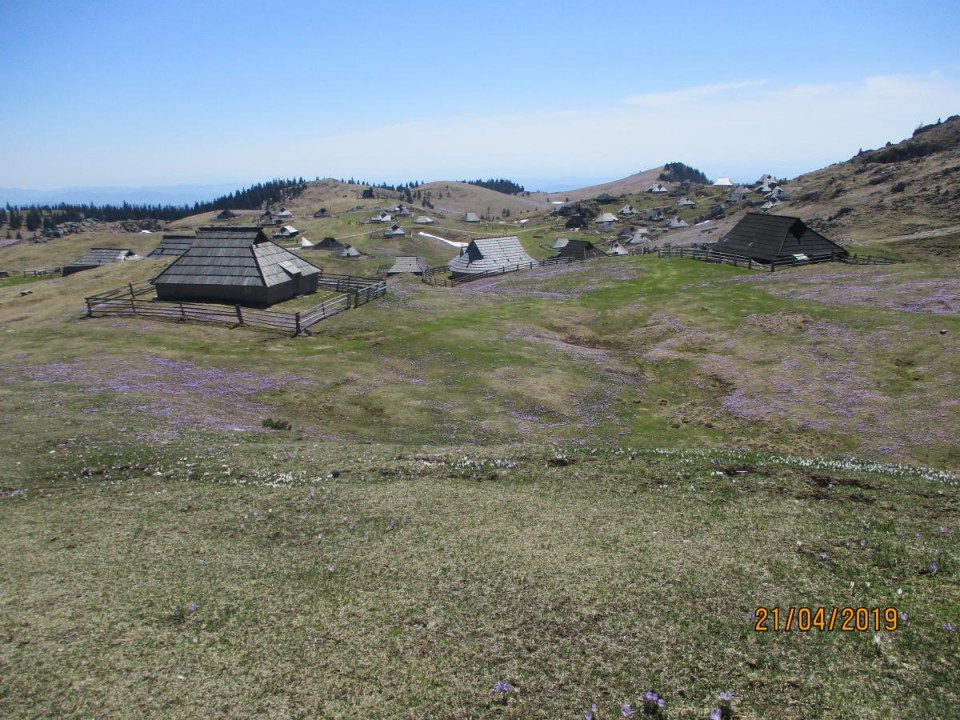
<point x="192" y="607"/>
<point x="726" y="696"/>
<point x="501" y="688"/>
<point x="626" y="710"/>
<point x="715" y="714"/>
<point x="948" y="626"/>
<point x="934" y="567"/>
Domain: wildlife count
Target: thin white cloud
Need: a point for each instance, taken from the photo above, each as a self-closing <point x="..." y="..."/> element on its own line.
<point x="687" y="96"/>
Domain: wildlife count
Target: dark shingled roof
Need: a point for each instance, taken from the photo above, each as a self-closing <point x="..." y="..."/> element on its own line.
<point x="490" y="255"/>
<point x="96" y="257"/>
<point x="172" y="246"/>
<point x="329" y="243"/>
<point x="579" y="249"/>
<point x="235" y="256"/>
<point x="776" y="237"/>
<point x="237" y="264"/>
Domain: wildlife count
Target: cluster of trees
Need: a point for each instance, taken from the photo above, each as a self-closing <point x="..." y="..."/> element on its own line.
<point x="255" y="196"/>
<point x="409" y="192"/>
<point x="500" y="185"/>
<point x="35" y="217"/>
<point x="678" y="172"/>
<point x="412" y="185"/>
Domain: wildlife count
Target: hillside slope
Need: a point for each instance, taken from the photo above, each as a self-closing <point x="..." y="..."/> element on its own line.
<point x="898" y="190"/>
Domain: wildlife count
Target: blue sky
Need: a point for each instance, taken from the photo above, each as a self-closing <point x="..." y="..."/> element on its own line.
<point x="160" y="93"/>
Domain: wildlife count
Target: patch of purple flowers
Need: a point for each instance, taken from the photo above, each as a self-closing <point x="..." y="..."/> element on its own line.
<point x="653" y="704"/>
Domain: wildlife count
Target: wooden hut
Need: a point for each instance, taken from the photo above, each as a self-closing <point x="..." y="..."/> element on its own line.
<point x="579" y="249"/>
<point x="236" y="265"/>
<point x="329" y="243"/>
<point x="96" y="257"/>
<point x="499" y="254"/>
<point x="777" y="238"/>
<point x="287" y="231"/>
<point x="226" y="215"/>
<point x="407" y="264"/>
<point x="606" y="221"/>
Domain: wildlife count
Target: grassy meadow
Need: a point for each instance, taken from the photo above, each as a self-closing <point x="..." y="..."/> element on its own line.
<point x="582" y="482"/>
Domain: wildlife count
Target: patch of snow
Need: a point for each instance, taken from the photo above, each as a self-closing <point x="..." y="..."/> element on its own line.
<point x="448" y="242"/>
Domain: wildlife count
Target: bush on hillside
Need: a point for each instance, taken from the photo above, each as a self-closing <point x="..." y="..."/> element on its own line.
<point x="678" y="172"/>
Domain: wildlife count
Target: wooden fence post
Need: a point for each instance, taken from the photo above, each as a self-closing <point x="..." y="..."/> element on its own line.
<point x="89" y="308"/>
<point x="183" y="315"/>
<point x="239" y="315"/>
<point x="297" y="319"/>
<point x="133" y="299"/>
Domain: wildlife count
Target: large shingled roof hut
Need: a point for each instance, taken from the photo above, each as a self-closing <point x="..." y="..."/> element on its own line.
<point x="777" y="238"/>
<point x="237" y="265"/>
<point x="499" y="254"/>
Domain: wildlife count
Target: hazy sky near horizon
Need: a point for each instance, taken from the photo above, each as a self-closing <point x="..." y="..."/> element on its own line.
<point x="137" y="93"/>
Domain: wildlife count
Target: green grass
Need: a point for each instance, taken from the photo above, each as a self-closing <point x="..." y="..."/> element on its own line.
<point x="21" y="280"/>
<point x="442" y="571"/>
<point x="509" y="427"/>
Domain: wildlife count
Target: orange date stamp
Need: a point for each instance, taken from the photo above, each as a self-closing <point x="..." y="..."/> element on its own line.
<point x="824" y="619"/>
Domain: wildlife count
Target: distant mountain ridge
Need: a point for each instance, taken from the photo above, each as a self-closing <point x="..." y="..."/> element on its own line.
<point x="186" y="194"/>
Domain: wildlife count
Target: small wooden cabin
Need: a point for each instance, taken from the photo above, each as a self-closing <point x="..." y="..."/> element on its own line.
<point x="96" y="257"/>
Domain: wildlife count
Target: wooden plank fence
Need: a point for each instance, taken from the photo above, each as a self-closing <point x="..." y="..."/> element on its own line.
<point x="37" y="272"/>
<point x="140" y="300"/>
<point x="740" y="261"/>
